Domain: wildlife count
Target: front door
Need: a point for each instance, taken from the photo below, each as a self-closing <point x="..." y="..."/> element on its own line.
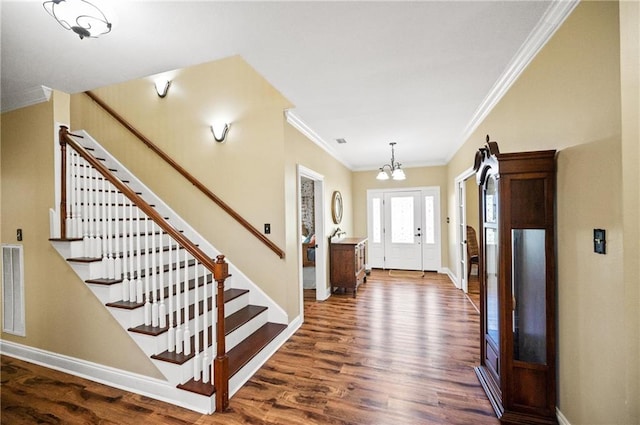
<point x="404" y="228"/>
<point x="403" y="232"/>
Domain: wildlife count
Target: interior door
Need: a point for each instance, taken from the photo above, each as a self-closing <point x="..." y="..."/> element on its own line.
<point x="431" y="247"/>
<point x="462" y="235"/>
<point x="403" y="233"/>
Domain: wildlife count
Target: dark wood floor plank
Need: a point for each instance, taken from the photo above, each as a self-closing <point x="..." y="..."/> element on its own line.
<point x="402" y="352"/>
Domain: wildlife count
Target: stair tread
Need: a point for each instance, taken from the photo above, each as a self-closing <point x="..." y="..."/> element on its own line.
<point x="125" y="305"/>
<point x="242" y="353"/>
<point x="242" y="316"/>
<point x="233" y="293"/>
<point x="104" y="281"/>
<point x="198" y="387"/>
<point x="173" y="357"/>
<point x="85" y="259"/>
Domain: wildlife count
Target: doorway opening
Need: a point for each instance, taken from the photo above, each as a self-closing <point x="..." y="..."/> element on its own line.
<point x="311" y="240"/>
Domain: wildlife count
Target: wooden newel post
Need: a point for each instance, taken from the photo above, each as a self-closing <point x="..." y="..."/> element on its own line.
<point x="63" y="180"/>
<point x="221" y="362"/>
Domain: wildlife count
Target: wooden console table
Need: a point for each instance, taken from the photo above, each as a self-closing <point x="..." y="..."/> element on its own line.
<point x="347" y="258"/>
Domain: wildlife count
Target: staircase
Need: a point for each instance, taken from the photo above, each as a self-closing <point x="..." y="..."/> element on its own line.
<point x="158" y="279"/>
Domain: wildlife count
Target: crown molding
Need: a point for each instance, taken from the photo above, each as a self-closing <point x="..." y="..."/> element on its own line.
<point x="303" y="128"/>
<point x="27" y="97"/>
<point x="553" y="18"/>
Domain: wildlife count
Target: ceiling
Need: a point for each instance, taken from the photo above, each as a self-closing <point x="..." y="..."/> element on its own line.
<point x="420" y="73"/>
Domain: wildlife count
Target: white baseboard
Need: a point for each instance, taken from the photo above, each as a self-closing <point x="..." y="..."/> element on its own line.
<point x="121" y="379"/>
<point x="454" y="279"/>
<point x="562" y="420"/>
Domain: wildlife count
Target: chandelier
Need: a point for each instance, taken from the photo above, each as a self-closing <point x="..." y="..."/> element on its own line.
<point x="394" y="171"/>
<point x="79" y="16"/>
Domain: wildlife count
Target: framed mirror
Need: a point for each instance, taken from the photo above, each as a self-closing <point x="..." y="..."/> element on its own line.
<point x="336" y="207"/>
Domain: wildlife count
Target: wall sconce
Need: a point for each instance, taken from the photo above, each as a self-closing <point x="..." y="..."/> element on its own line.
<point x="79" y="16"/>
<point x="220" y="131"/>
<point x="396" y="172"/>
<point x="162" y="87"/>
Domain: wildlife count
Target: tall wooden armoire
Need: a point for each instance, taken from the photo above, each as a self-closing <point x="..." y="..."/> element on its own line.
<point x="517" y="283"/>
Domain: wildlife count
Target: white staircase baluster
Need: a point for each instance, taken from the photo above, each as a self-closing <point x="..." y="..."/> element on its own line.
<point x="116" y="235"/>
<point x="103" y="208"/>
<point x="147" y="289"/>
<point x="139" y="285"/>
<point x="111" y="272"/>
<point x="179" y="336"/>
<point x="92" y="238"/>
<point x="154" y="277"/>
<point x="77" y="211"/>
<point x="187" y="331"/>
<point x="162" y="308"/>
<point x="205" y="358"/>
<point x="97" y="247"/>
<point x="171" y="334"/>
<point x="86" y="221"/>
<point x="197" y="365"/>
<point x="126" y="285"/>
<point x="132" y="284"/>
<point x="68" y="225"/>
<point x="71" y="184"/>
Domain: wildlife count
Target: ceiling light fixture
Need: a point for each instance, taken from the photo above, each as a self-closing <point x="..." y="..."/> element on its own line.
<point x="220" y="131"/>
<point x="395" y="172"/>
<point x="79" y="16"/>
<point x="162" y="87"/>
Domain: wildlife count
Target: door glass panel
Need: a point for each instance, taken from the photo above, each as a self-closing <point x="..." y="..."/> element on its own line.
<point x="529" y="295"/>
<point x="490" y="200"/>
<point x="402" y="222"/>
<point x="377" y="223"/>
<point x="491" y="276"/>
<point x="430" y="220"/>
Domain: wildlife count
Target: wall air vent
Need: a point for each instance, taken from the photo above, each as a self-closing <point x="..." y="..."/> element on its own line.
<point x="13" y="290"/>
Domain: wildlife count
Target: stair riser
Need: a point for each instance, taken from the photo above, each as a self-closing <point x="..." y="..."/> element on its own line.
<point x="69" y="249"/>
<point x="240" y="334"/>
<point x="106" y="293"/>
<point x="128" y="318"/>
<point x="184" y="372"/>
<point x="236" y="304"/>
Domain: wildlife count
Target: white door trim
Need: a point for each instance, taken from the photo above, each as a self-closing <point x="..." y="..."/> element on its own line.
<point x="460" y="218"/>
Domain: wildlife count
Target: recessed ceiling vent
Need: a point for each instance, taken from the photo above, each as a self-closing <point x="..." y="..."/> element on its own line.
<point x="341" y="141"/>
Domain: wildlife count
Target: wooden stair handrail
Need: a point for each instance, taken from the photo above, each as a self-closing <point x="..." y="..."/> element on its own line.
<point x="190" y="178"/>
<point x="219" y="268"/>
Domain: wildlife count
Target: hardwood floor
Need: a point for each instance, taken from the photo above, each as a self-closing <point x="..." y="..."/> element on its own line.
<point x="402" y="352"/>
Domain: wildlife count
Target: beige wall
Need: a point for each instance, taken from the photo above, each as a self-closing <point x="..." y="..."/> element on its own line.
<point x="301" y="151"/>
<point x="247" y="171"/>
<point x="569" y="99"/>
<point x="472" y="203"/>
<point x="416" y="177"/>
<point x="62" y="314"/>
